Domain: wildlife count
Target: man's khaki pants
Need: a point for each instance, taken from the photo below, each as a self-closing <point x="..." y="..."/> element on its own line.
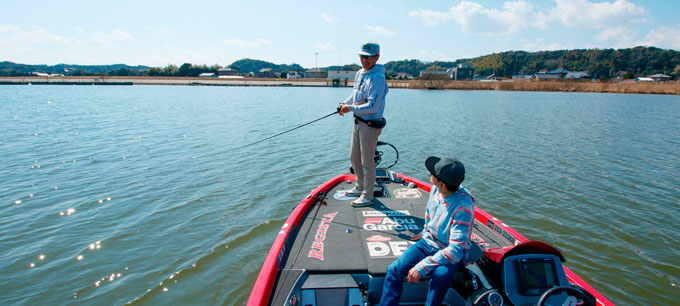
<point x="364" y="141"/>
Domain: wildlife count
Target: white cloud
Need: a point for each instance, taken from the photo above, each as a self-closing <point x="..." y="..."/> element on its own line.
<point x="615" y="34"/>
<point x="598" y="14"/>
<point x="622" y="37"/>
<point x="324" y="46"/>
<point x="431" y="18"/>
<point x="111" y="38"/>
<point x="327" y="18"/>
<point x="259" y="42"/>
<point x="36" y="35"/>
<point x="475" y="18"/>
<point x="378" y="30"/>
<point x="37" y="45"/>
<point x="663" y="37"/>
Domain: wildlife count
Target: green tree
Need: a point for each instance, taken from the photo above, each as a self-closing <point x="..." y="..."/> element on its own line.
<point x="184" y="70"/>
<point x="435" y="68"/>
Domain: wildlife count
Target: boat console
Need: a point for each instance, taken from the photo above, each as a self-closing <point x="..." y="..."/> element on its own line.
<point x="526" y="277"/>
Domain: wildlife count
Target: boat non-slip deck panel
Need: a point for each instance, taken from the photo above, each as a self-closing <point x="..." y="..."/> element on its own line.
<point x="285" y="282"/>
<point x="338" y="238"/>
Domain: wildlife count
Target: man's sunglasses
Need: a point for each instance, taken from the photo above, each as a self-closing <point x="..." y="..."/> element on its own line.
<point x="367" y="56"/>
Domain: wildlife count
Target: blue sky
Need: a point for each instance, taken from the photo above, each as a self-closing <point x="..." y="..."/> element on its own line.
<point x="158" y="33"/>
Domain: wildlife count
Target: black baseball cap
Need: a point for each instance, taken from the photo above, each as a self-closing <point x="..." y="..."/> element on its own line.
<point x="447" y="170"/>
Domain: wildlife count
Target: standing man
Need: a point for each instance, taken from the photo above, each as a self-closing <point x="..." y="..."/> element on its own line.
<point x="367" y="101"/>
<point x="444" y="242"/>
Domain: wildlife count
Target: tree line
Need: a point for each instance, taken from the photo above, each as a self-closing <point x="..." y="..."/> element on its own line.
<point x="599" y="63"/>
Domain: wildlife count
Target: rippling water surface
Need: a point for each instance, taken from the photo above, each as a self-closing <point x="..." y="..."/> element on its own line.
<point x="110" y="195"/>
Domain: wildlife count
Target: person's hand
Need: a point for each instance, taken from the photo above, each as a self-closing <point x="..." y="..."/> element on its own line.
<point x="344" y="108"/>
<point x="414" y="276"/>
<point x="416" y="237"/>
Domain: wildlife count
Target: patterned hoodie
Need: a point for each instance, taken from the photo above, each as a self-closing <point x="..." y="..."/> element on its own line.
<point x="448" y="227"/>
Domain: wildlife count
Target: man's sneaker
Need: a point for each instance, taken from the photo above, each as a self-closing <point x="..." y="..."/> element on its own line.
<point x="353" y="192"/>
<point x="361" y="202"/>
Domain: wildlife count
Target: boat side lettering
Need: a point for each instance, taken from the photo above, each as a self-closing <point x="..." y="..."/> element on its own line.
<point x="500" y="231"/>
<point x="317" y="245"/>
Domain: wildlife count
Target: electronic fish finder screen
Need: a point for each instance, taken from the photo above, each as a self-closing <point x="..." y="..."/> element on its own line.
<point x="536" y="275"/>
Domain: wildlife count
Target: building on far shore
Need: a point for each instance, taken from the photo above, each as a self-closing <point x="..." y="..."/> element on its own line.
<point x="207" y="75"/>
<point x="546" y="77"/>
<point x="227" y="72"/>
<point x="294" y="74"/>
<point x="464" y="71"/>
<point x="266" y="73"/>
<point x="341" y="74"/>
<point x="660" y="77"/>
<point x="577" y="75"/>
<point x="559" y="71"/>
<point x="316" y="74"/>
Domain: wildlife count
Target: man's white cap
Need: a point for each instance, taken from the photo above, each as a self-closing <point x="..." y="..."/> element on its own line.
<point x="369" y="49"/>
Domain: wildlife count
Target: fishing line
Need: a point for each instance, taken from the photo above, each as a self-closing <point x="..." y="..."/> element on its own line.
<point x="289" y="130"/>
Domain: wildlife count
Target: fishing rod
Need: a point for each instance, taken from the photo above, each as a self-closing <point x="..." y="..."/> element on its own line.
<point x="290" y="130"/>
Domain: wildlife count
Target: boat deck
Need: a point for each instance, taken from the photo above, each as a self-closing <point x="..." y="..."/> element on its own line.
<point x="338" y="238"/>
<point x="331" y="252"/>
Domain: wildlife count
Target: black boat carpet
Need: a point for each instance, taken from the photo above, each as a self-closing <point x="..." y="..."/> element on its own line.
<point x="338" y="238"/>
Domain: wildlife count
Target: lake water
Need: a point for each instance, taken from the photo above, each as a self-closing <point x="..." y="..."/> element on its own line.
<point x="110" y="195"/>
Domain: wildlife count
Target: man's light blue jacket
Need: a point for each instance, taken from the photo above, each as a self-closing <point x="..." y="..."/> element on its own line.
<point x="368" y="96"/>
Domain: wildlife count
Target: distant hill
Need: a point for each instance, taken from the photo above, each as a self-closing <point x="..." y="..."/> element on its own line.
<point x="599" y="63"/>
<point x="13" y="69"/>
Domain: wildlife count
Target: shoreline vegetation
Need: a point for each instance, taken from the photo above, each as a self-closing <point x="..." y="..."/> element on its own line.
<point x="627" y="87"/>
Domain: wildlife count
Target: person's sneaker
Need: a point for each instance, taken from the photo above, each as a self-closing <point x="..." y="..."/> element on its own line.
<point x="361" y="202"/>
<point x="353" y="192"/>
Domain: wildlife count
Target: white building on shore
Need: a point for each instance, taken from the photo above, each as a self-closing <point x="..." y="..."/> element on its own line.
<point x="341" y="74"/>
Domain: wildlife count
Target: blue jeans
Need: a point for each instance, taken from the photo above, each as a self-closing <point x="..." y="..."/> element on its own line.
<point x="440" y="277"/>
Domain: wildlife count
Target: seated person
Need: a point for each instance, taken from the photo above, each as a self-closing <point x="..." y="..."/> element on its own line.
<point x="442" y="246"/>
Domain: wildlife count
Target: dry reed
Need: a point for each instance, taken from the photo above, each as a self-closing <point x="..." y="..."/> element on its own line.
<point x="669" y="88"/>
